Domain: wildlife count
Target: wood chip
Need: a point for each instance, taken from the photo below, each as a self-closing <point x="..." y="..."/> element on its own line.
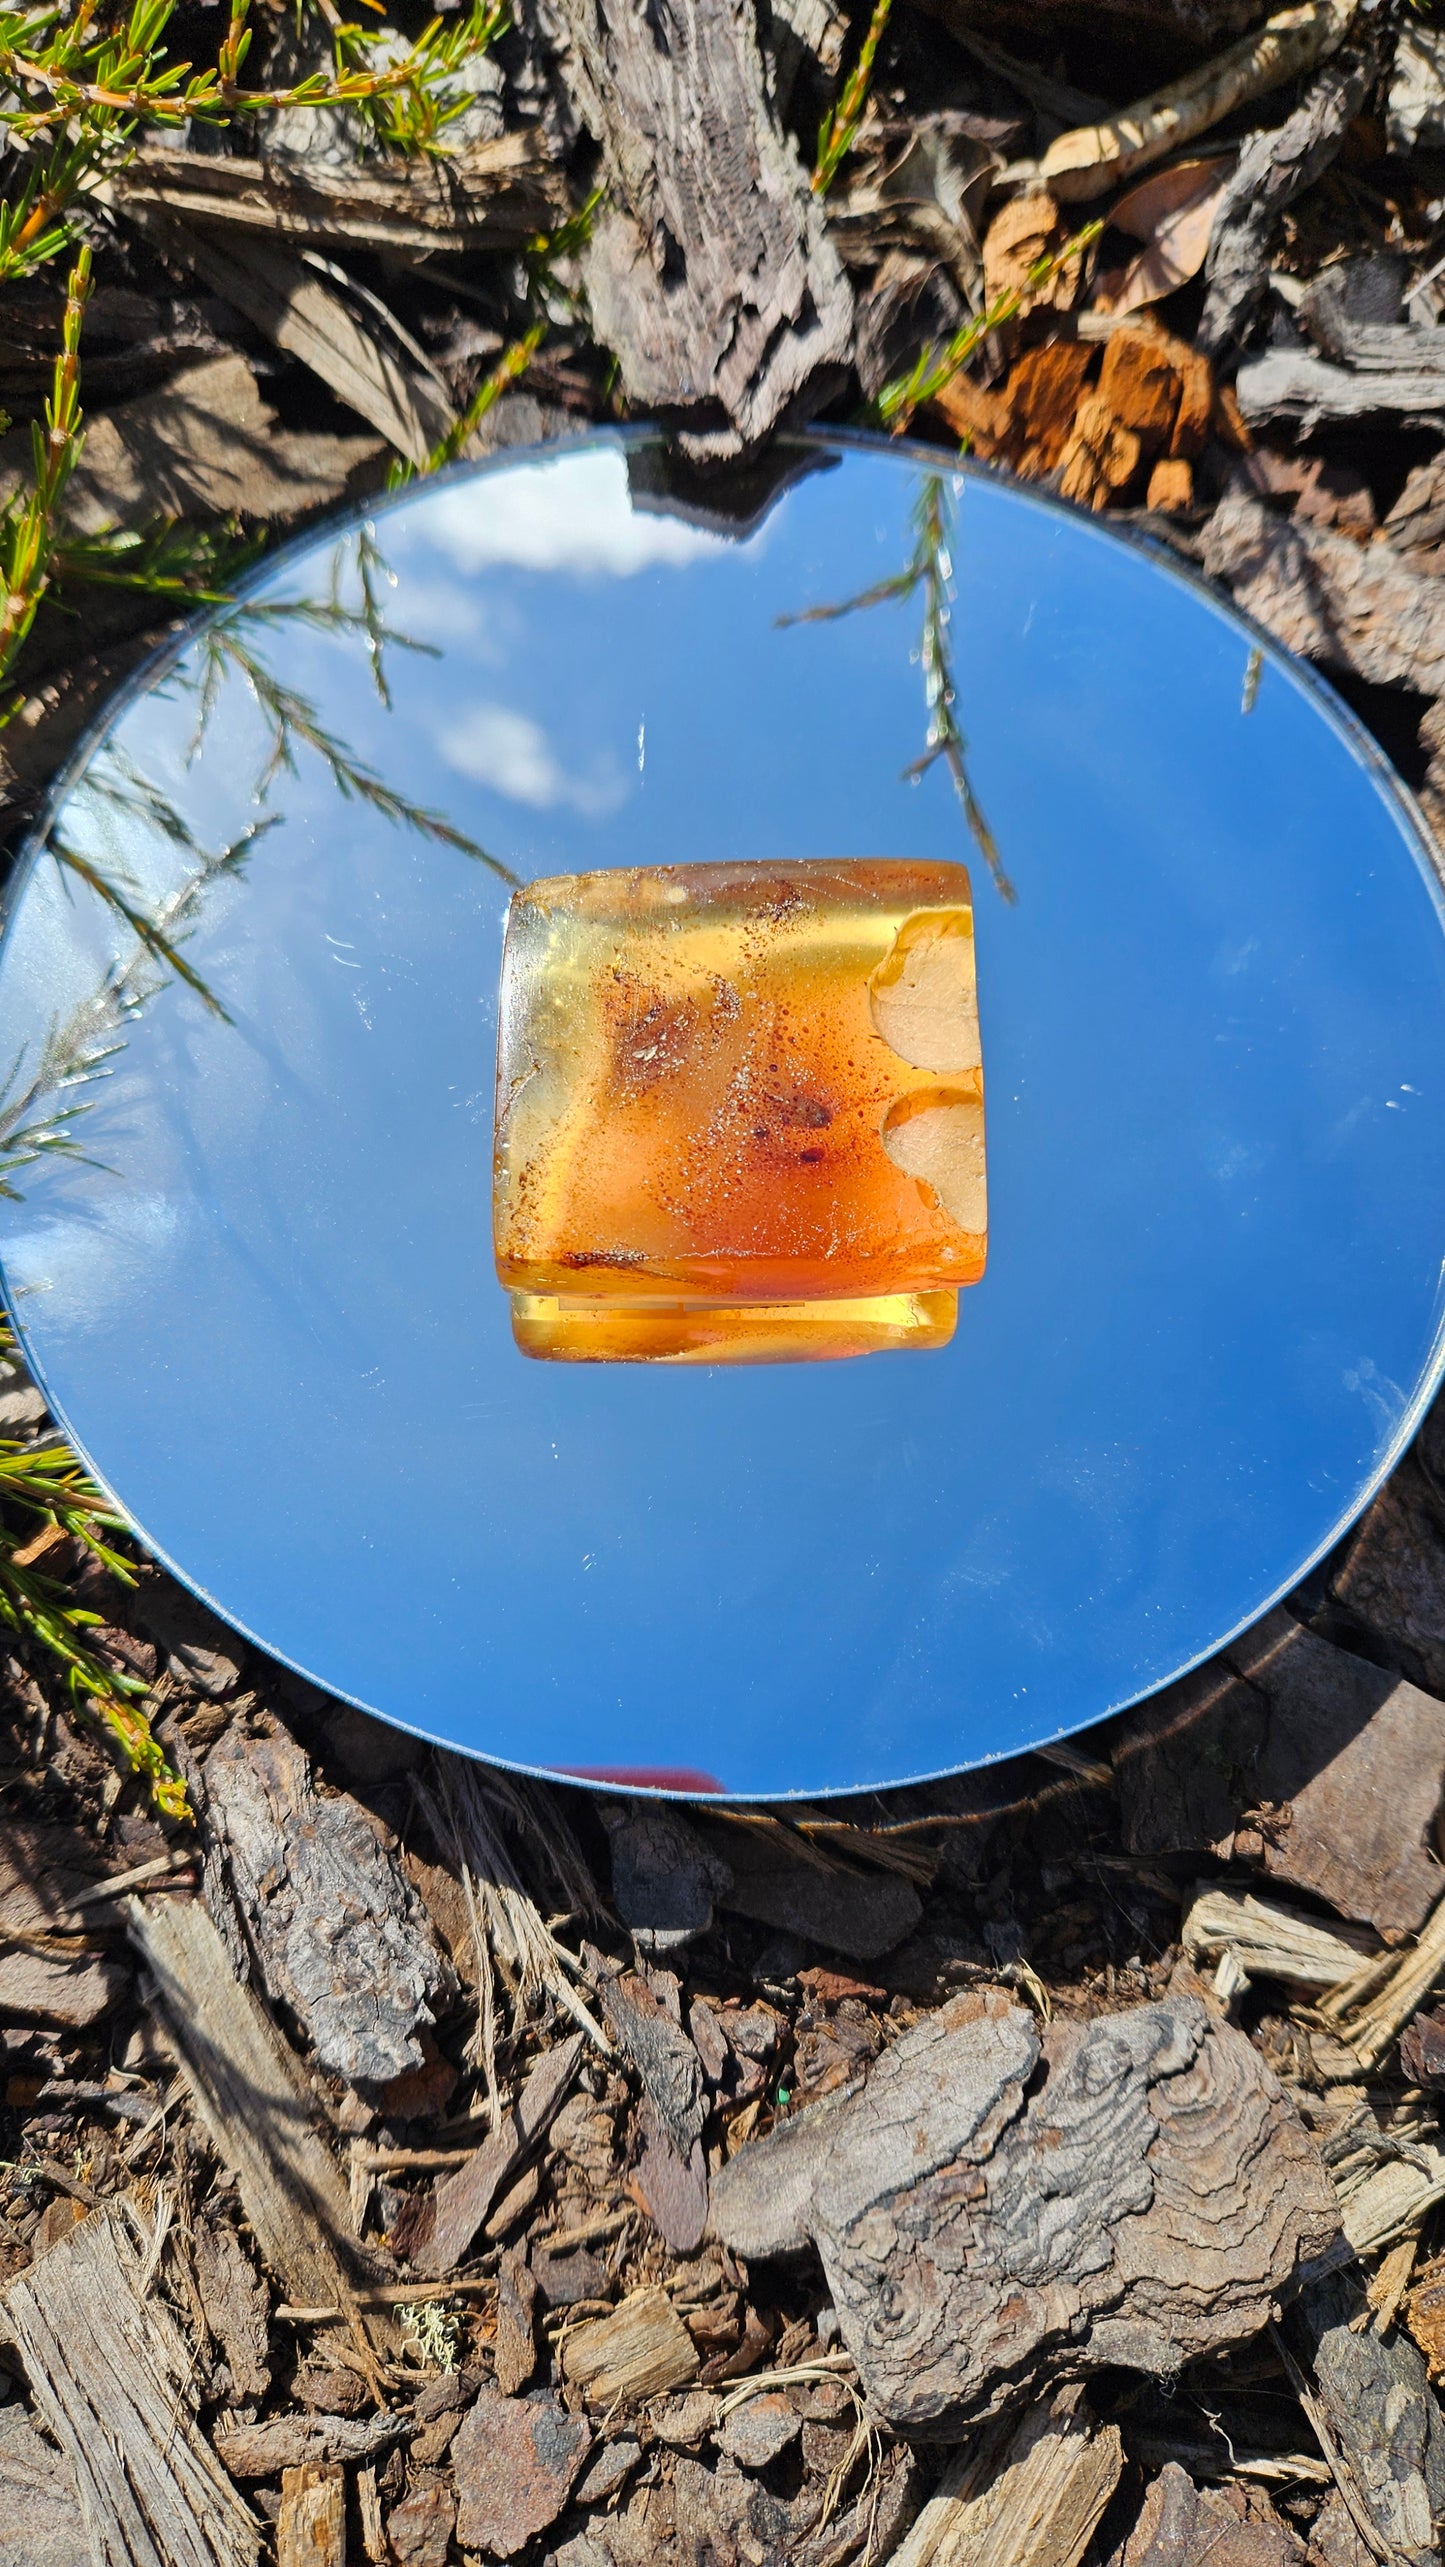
<point x="1088" y="161"/>
<point x="1371" y="2019"/>
<point x="111" y="2377"/>
<point x="249" y="2094"/>
<point x="311" y="2526"/>
<point x="1352" y="606"/>
<point x="1181" y="2525"/>
<point x="516" y="2462"/>
<point x="755" y="303"/>
<point x="1164" y="2134"/>
<point x="641" y="2351"/>
<point x="338" y="1930"/>
<point x="493" y="195"/>
<point x="1274" y="1942"/>
<point x="664" y="1880"/>
<point x="48" y="1976"/>
<point x="303" y="2442"/>
<point x="1031" y="2495"/>
<point x="461" y="2203"/>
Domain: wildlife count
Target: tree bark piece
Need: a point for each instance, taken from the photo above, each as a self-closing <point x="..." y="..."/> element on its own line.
<point x="311" y="2526"/>
<point x="1149" y="2203"/>
<point x="295" y="2441"/>
<point x="1291" y="384"/>
<point x="338" y="1930"/>
<point x="236" y="2307"/>
<point x="1274" y="167"/>
<point x="251" y="2099"/>
<point x="461" y="2202"/>
<point x="643" y="2014"/>
<point x="1033" y="2497"/>
<point x="110" y="2375"/>
<point x="514" y="2347"/>
<point x="641" y="2351"/>
<point x="1089" y="161"/>
<point x="1375" y="2397"/>
<point x="516" y="2462"/>
<point x="495" y="195"/>
<point x="1181" y="2525"/>
<point x="1343" y="1764"/>
<point x="1351" y="606"/>
<point x="709" y="271"/>
<point x="394" y="390"/>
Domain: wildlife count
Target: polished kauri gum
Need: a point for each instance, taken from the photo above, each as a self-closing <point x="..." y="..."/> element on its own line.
<point x="739" y="1111"/>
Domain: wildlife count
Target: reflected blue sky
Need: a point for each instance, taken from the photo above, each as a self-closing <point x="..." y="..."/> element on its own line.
<point x="1214" y="1046"/>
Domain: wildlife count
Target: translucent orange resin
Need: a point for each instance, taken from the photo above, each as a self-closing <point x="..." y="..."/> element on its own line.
<point x="739" y="1111"/>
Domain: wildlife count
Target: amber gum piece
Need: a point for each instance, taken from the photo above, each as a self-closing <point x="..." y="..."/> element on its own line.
<point x="724" y="1085"/>
<point x="569" y="1328"/>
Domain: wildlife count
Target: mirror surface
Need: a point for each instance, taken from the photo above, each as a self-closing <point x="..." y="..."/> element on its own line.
<point x="1211" y="982"/>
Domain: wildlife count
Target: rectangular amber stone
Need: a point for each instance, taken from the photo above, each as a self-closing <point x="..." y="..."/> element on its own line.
<point x="739" y="1110"/>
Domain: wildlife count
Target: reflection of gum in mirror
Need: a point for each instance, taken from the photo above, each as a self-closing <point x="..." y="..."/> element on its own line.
<point x="739" y="1112"/>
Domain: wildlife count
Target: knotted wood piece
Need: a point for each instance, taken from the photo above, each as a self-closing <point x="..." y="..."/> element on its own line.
<point x="1142" y="2201"/>
<point x="709" y="272"/>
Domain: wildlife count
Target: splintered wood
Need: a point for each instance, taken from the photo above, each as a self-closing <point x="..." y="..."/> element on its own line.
<point x="311" y="2526"/>
<point x="1029" y="2497"/>
<point x="110" y="2376"/>
<point x="250" y="2097"/>
<point x="1147" y="2206"/>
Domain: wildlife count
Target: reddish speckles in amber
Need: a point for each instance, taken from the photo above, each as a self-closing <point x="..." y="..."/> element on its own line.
<point x="739" y="1111"/>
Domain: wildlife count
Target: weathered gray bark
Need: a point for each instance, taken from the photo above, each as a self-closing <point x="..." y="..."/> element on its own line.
<point x="1274" y="168"/>
<point x="340" y="1934"/>
<point x="709" y="272"/>
<point x="1148" y="2202"/>
<point x="1381" y="2414"/>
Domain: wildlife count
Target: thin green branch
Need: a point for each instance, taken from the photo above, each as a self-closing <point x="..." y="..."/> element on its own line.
<point x="839" y="129"/>
<point x="929" y="570"/>
<point x="934" y="368"/>
<point x="28" y="523"/>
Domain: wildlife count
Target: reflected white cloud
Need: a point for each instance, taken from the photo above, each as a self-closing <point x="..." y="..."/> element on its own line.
<point x="492" y="745"/>
<point x="572" y="513"/>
